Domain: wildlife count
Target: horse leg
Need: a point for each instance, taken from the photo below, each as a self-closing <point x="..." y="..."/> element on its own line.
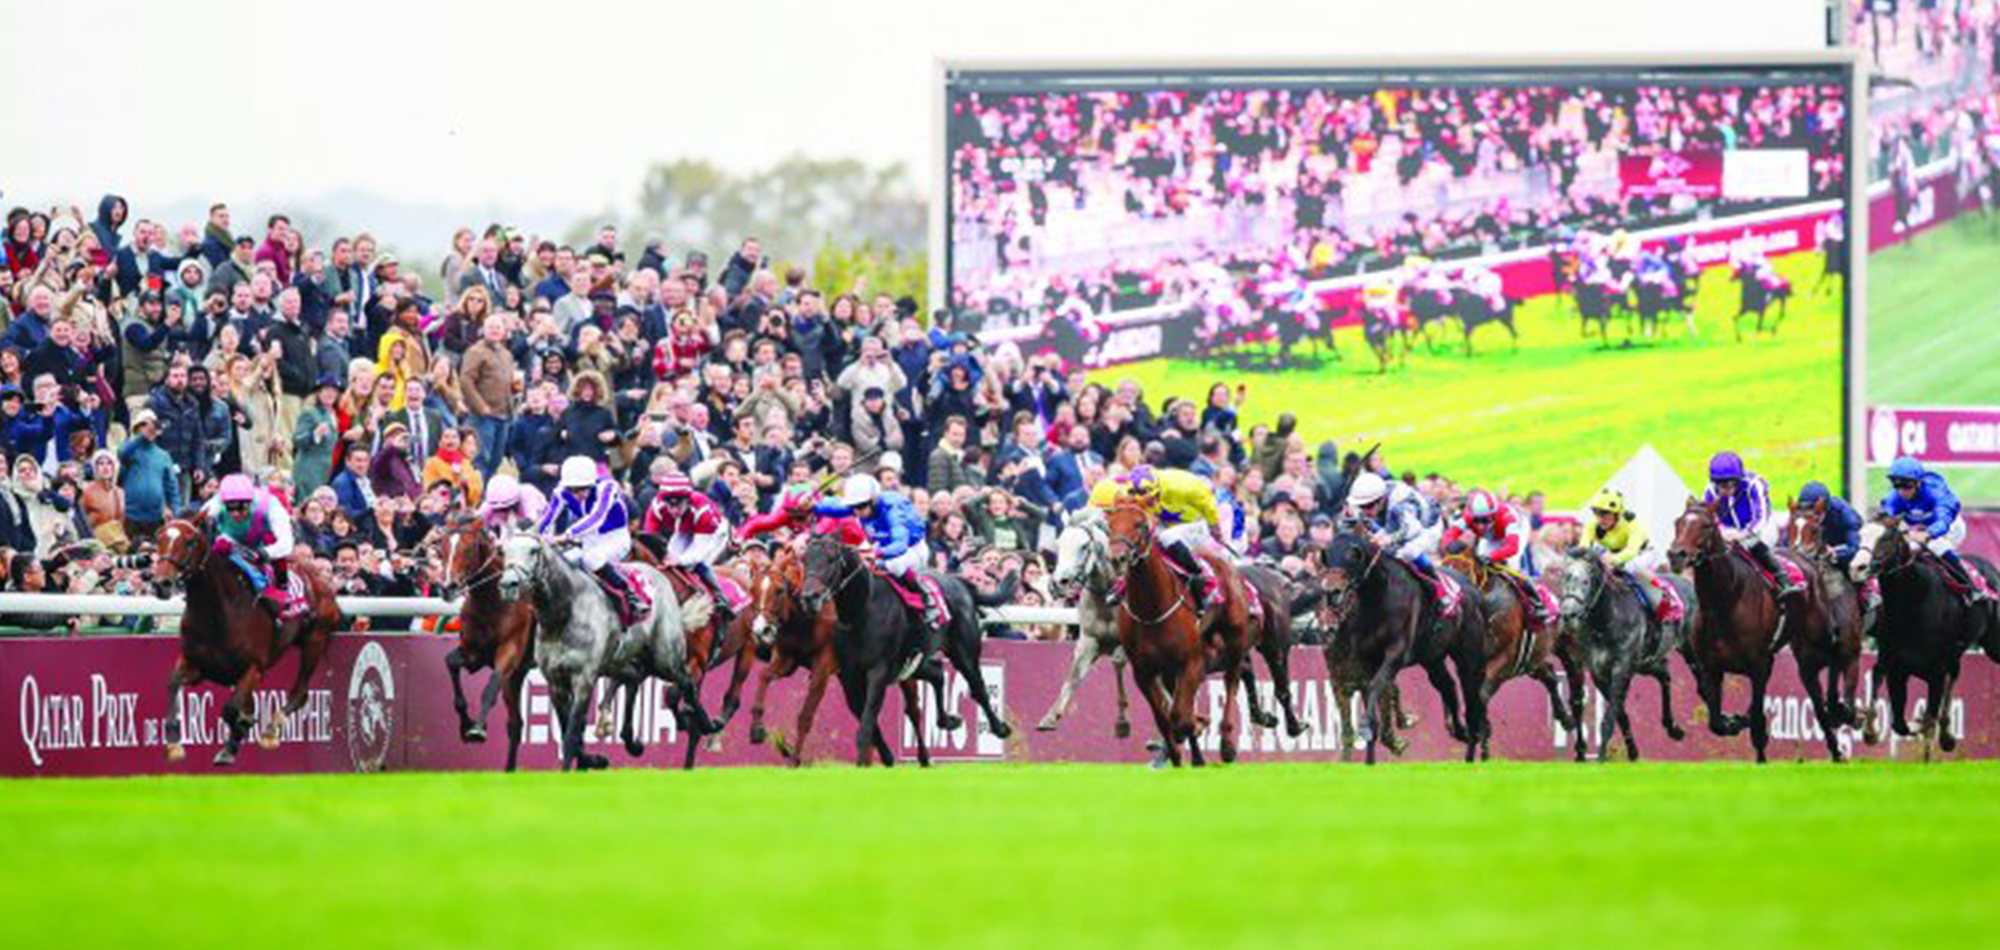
<point x="690" y="688"/>
<point x="1939" y="709"/>
<point x="1613" y="688"/>
<point x="505" y="658"/>
<point x="815" y="690"/>
<point x="177" y="683"/>
<point x="454" y="663"/>
<point x="1667" y="722"/>
<point x="1148" y="686"/>
<point x="1232" y="724"/>
<point x="764" y="677"/>
<point x="871" y="707"/>
<point x="1899" y="698"/>
<point x="607" y="710"/>
<point x="310" y="653"/>
<point x="516" y="678"/>
<point x="1279" y="661"/>
<point x="1447" y="691"/>
<point x="1378" y="686"/>
<point x="239" y="714"/>
<point x="915" y="716"/>
<point x="559" y="703"/>
<point x="1080" y="662"/>
<point x="1829" y="722"/>
<point x="1709" y="683"/>
<point x="739" y="672"/>
<point x="1122" y="728"/>
<point x="1573" y="681"/>
<point x="1625" y="720"/>
<point x="1760" y="724"/>
<point x="1193" y="672"/>
<point x="965" y="657"/>
<point x="1259" y="716"/>
<point x="628" y="733"/>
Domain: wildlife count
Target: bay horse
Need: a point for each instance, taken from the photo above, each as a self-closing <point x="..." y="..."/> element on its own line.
<point x="1083" y="576"/>
<point x="1475" y="311"/>
<point x="228" y="638"/>
<point x="1834" y="648"/>
<point x="1622" y="636"/>
<point x="1743" y="625"/>
<point x="1273" y="640"/>
<point x="879" y="634"/>
<point x="1924" y="629"/>
<point x="1516" y="647"/>
<point x="493" y="632"/>
<point x="1386" y="617"/>
<point x="794" y="637"/>
<point x="1171" y="646"/>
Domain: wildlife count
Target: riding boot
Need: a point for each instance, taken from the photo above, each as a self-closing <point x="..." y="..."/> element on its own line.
<point x="724" y="610"/>
<point x="1185" y="557"/>
<point x="1768" y="559"/>
<point x="628" y="601"/>
<point x="1961" y="573"/>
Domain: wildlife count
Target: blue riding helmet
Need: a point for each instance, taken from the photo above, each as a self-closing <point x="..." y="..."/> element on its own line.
<point x="1905" y="469"/>
<point x="1725" y="467"/>
<point x="1813" y="493"/>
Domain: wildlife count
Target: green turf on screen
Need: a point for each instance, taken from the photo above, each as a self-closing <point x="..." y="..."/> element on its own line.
<point x="1934" y="331"/>
<point x="1561" y="414"/>
<point x="1042" y="857"/>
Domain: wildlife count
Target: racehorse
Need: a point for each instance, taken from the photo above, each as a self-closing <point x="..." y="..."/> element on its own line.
<point x="228" y="638"/>
<point x="1743" y="625"/>
<point x="1623" y="636"/>
<point x="1387" y="616"/>
<point x="1837" y="654"/>
<point x="1083" y="576"/>
<point x="493" y="632"/>
<point x="1273" y="639"/>
<point x="795" y="638"/>
<point x="708" y="637"/>
<point x="577" y="632"/>
<point x="1757" y="298"/>
<point x="1474" y="311"/>
<point x="1514" y="647"/>
<point x="1171" y="644"/>
<point x="1597" y="301"/>
<point x="1925" y="626"/>
<point x="881" y="635"/>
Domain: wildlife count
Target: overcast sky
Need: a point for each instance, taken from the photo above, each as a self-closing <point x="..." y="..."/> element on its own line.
<point x="565" y="104"/>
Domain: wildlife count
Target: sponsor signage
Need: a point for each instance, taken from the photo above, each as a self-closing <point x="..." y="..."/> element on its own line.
<point x="1698" y="174"/>
<point x="1939" y="435"/>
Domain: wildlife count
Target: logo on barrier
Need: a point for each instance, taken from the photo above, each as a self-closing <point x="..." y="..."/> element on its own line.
<point x="371" y="711"/>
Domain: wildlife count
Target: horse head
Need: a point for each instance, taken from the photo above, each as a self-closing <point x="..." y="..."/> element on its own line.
<point x="1080" y="553"/>
<point x="182" y="549"/>
<point x="463" y="555"/>
<point x="1582" y="578"/>
<point x="1128" y="536"/>
<point x="1348" y="561"/>
<point x="829" y="567"/>
<point x="773" y="594"/>
<point x="1697" y="537"/>
<point x="1883" y="550"/>
<point x="522" y="563"/>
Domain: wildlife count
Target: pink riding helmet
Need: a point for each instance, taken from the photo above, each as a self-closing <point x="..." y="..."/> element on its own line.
<point x="237" y="488"/>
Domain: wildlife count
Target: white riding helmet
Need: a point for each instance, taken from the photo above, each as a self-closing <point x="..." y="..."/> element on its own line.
<point x="860" y="490"/>
<point x="578" y="472"/>
<point x="1368" y="488"/>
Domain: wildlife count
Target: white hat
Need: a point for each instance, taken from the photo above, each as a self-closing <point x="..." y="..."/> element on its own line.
<point x="1368" y="489"/>
<point x="578" y="472"/>
<point x="860" y="490"/>
<point x="890" y="460"/>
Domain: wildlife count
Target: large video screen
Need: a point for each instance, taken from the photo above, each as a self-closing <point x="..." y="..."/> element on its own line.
<point x="1933" y="290"/>
<point x="1519" y="278"/>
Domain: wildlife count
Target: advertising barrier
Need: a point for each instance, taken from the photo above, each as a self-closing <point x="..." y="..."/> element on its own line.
<point x="1896" y="214"/>
<point x="1936" y="435"/>
<point x="95" y="706"/>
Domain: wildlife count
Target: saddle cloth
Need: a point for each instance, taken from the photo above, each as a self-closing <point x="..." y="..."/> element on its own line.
<point x="914" y="599"/>
<point x="1793" y="572"/>
<point x="1670" y="608"/>
<point x="1447" y="595"/>
<point x="633" y="580"/>
<point x="1551" y="608"/>
<point x="1951" y="581"/>
<point x="296" y="604"/>
<point x="1214" y="585"/>
<point x="732" y="592"/>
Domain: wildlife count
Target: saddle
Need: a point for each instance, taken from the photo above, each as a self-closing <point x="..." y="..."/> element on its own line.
<point x="1670" y="608"/>
<point x="1956" y="584"/>
<point x="913" y="597"/>
<point x="634" y="583"/>
<point x="1447" y="590"/>
<point x="1794" y="573"/>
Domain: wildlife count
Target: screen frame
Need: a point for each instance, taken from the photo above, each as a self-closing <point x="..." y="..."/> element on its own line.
<point x="1847" y="61"/>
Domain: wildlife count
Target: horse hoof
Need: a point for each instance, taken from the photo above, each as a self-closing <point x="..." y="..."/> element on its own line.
<point x="1295" y="729"/>
<point x="758" y="735"/>
<point x="592" y="761"/>
<point x="1676" y="733"/>
<point x="635" y="748"/>
<point x="267" y="740"/>
<point x="1121" y="730"/>
<point x="1947" y="742"/>
<point x="474" y="735"/>
<point x="1000" y="729"/>
<point x="176" y="752"/>
<point x="224" y="758"/>
<point x="1397" y="747"/>
<point x="949" y="722"/>
<point x="603" y="729"/>
<point x="1264" y="720"/>
<point x="1048" y="724"/>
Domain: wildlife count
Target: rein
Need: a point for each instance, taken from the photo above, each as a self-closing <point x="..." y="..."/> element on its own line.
<point x="487" y="572"/>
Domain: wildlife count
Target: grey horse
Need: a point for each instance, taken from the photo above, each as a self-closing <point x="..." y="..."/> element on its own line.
<point x="577" y="631"/>
<point x="659" y="649"/>
<point x="1083" y="574"/>
<point x="1622" y="637"/>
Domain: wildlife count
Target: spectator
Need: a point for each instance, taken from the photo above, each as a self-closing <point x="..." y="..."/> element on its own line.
<point x="353" y="488"/>
<point x="314" y="435"/>
<point x="150" y="477"/>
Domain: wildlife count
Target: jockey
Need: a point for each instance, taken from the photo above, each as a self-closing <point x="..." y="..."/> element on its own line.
<point x="897" y="532"/>
<point x="591" y="510"/>
<point x="1840" y="530"/>
<point x="1185" y="504"/>
<point x="695" y="530"/>
<point x="1618" y="535"/>
<point x="1394" y="514"/>
<point x="510" y="506"/>
<point x="1741" y="500"/>
<point x="1495" y="531"/>
<point x="252" y="529"/>
<point x="797" y="512"/>
<point x="1930" y="516"/>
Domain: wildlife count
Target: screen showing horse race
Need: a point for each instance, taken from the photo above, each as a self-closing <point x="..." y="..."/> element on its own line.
<point x="1516" y="277"/>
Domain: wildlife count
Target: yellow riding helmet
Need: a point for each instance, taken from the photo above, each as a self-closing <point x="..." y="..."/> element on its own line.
<point x="1608" y="501"/>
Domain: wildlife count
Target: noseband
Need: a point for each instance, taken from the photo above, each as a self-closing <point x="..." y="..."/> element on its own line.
<point x="489" y="569"/>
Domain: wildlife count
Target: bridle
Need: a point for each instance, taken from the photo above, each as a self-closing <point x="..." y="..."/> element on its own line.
<point x="1340" y="604"/>
<point x="187" y="564"/>
<point x="489" y="569"/>
<point x="841" y="555"/>
<point x="1703" y="552"/>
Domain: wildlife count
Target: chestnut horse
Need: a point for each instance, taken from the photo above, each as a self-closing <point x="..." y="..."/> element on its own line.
<point x="228" y="638"/>
<point x="1835" y="647"/>
<point x="793" y="638"/>
<point x="493" y="633"/>
<point x="1170" y="647"/>
<point x="1743" y="625"/>
<point x="1516" y="647"/>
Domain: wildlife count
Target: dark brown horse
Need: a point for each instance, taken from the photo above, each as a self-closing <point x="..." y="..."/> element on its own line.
<point x="1924" y="630"/>
<point x="228" y="638"/>
<point x="1170" y="645"/>
<point x="1517" y="646"/>
<point x="1743" y="624"/>
<point x="1832" y="648"/>
<point x="493" y="633"/>
<point x="794" y="638"/>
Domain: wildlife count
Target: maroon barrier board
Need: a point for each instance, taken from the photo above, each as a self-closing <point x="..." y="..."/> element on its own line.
<point x="94" y="706"/>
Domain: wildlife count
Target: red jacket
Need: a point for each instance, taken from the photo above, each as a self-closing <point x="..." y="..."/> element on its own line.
<point x="1505" y="534"/>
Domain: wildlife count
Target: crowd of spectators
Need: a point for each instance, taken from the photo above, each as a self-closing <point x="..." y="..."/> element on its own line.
<point x="1027" y="166"/>
<point x="140" y="363"/>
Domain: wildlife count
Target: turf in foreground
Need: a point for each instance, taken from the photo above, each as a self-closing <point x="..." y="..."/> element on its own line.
<point x="1041" y="857"/>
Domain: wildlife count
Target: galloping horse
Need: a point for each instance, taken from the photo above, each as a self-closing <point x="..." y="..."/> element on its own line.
<point x="1384" y="616"/>
<point x="1474" y="311"/>
<point x="1171" y="645"/>
<point x="1833" y="648"/>
<point x="1622" y="636"/>
<point x="1515" y="647"/>
<point x="880" y="635"/>
<point x="493" y="632"/>
<point x="1083" y="575"/>
<point x="1273" y="639"/>
<point x="1743" y="626"/>
<point x="707" y="638"/>
<point x="795" y="638"/>
<point x="1925" y="627"/>
<point x="228" y="638"/>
